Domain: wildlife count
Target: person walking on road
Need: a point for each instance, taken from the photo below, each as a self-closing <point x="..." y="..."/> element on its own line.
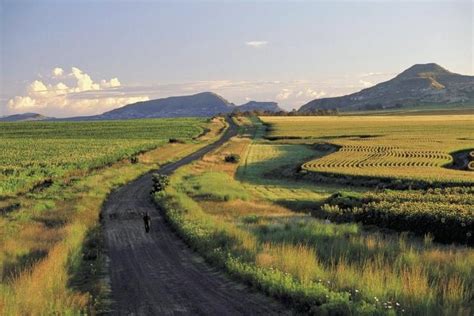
<point x="147" y="221"/>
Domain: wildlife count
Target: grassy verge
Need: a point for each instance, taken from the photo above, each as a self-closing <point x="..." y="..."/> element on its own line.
<point x="234" y="249"/>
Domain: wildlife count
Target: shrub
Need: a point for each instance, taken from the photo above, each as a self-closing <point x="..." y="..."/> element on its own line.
<point x="232" y="158"/>
<point x="160" y="182"/>
<point x="176" y="140"/>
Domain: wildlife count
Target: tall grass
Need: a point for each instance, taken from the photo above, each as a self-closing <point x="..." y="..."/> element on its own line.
<point x="226" y="245"/>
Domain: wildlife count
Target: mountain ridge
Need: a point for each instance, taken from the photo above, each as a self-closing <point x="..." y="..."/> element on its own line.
<point x="203" y="104"/>
<point x="417" y="85"/>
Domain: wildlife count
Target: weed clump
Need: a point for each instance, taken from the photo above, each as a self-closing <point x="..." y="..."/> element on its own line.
<point x="232" y="158"/>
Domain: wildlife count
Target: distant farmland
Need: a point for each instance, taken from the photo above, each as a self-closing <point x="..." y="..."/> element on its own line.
<point x="405" y="147"/>
<point x="35" y="152"/>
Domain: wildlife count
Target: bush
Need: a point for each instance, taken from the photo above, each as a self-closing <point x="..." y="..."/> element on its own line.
<point x="160" y="182"/>
<point x="232" y="158"/>
<point x="176" y="141"/>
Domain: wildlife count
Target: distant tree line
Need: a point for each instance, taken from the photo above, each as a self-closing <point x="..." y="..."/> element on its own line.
<point x="294" y="112"/>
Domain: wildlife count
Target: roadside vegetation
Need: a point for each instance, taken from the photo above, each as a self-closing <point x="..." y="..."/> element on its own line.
<point x="51" y="258"/>
<point x="268" y="233"/>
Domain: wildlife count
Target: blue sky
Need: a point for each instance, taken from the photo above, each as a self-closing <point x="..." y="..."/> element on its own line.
<point x="112" y="53"/>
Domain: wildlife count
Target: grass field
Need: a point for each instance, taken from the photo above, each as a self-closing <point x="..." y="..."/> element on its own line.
<point x="35" y="152"/>
<point x="318" y="266"/>
<point x="50" y="245"/>
<point x="404" y="147"/>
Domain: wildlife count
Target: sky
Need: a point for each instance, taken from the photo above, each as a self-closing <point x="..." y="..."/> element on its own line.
<point x="66" y="58"/>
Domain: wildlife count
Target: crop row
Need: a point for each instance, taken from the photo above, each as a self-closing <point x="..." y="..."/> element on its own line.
<point x="446" y="214"/>
<point x="34" y="152"/>
<point x="383" y="162"/>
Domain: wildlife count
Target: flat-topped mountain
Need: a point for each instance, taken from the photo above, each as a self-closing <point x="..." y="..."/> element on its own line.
<point x="418" y="85"/>
<point x="201" y="104"/>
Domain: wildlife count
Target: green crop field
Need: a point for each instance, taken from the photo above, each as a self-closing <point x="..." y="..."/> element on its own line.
<point x="405" y="147"/>
<point x="33" y="152"/>
<point x="45" y="232"/>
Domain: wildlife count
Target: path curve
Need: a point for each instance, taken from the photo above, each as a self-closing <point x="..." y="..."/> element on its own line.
<point x="156" y="273"/>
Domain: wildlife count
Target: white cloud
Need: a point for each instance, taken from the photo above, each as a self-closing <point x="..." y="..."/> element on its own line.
<point x="57" y="72"/>
<point x="61" y="88"/>
<point x="38" y="87"/>
<point x="256" y="44"/>
<point x="113" y="83"/>
<point x="377" y="74"/>
<point x="284" y="94"/>
<point x="22" y="103"/>
<point x="314" y="94"/>
<point x="59" y="99"/>
<point x="84" y="81"/>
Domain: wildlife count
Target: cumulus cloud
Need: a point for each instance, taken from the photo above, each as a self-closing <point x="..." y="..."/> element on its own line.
<point x="112" y="83"/>
<point x="57" y="72"/>
<point x="84" y="81"/>
<point x="314" y="94"/>
<point x="24" y="103"/>
<point x="59" y="98"/>
<point x="256" y="44"/>
<point x="284" y="94"/>
<point x="303" y="95"/>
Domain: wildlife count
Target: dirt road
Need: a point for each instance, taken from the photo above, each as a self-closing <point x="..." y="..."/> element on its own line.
<point x="156" y="273"/>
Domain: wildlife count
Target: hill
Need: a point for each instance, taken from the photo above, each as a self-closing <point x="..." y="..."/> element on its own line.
<point x="420" y="84"/>
<point x="24" y="117"/>
<point x="201" y="104"/>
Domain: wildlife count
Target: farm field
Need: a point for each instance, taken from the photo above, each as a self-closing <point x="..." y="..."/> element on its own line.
<point x="400" y="147"/>
<point x="38" y="152"/>
<point x="262" y="225"/>
<point x="50" y="242"/>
